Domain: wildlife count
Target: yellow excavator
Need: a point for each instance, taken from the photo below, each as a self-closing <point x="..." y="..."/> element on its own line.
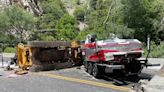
<point x="24" y="56"/>
<point x="47" y="55"/>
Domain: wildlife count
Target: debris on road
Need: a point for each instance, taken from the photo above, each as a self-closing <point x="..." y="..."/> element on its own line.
<point x="21" y="72"/>
<point x="140" y="87"/>
<point x="16" y="73"/>
<point x="1" y="72"/>
<point x="156" y="84"/>
<point x="12" y="76"/>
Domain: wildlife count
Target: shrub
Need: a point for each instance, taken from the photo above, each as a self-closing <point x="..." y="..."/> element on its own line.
<point x="79" y="14"/>
<point x="157" y="51"/>
<point x="47" y="38"/>
<point x="10" y="50"/>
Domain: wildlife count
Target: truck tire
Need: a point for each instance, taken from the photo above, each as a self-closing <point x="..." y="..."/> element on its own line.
<point x="90" y="68"/>
<point x="86" y="66"/>
<point x="96" y="71"/>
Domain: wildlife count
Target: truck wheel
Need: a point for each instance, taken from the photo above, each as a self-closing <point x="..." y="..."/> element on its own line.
<point x="90" y="68"/>
<point x="86" y="66"/>
<point x="96" y="71"/>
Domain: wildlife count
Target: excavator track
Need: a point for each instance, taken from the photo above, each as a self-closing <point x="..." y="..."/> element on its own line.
<point x="50" y="44"/>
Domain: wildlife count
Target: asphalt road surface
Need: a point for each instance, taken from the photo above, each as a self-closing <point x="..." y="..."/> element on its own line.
<point x="70" y="80"/>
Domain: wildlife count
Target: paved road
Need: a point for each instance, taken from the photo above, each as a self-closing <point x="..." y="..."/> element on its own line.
<point x="55" y="81"/>
<point x="37" y="83"/>
<point x="69" y="80"/>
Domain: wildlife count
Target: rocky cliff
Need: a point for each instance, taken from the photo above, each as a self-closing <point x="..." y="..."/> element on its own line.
<point x="29" y="5"/>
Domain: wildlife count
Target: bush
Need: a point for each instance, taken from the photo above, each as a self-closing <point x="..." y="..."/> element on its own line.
<point x="157" y="51"/>
<point x="47" y="38"/>
<point x="10" y="50"/>
<point x="66" y="28"/>
<point x="79" y="14"/>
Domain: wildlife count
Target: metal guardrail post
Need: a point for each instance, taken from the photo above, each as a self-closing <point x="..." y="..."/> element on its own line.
<point x="1" y="51"/>
<point x="148" y="47"/>
<point x="2" y="60"/>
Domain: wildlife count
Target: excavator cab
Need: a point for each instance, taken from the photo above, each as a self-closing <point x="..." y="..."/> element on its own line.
<point x="23" y="56"/>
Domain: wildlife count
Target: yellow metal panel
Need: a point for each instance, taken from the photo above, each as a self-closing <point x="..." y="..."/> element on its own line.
<point x="75" y="44"/>
<point x="24" y="56"/>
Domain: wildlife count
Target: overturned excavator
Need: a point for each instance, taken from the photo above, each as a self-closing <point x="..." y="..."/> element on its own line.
<point x="44" y="55"/>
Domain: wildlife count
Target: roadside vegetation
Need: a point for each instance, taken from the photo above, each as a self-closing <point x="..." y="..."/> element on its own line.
<point x="157" y="51"/>
<point x="125" y="18"/>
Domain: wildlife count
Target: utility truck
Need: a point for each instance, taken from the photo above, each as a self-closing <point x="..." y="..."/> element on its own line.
<point x="111" y="55"/>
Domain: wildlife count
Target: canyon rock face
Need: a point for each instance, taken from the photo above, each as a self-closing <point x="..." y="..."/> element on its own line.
<point x="32" y="6"/>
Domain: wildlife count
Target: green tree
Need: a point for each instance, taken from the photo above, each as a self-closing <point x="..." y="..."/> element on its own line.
<point x="16" y="21"/>
<point x="47" y="38"/>
<point x="4" y="22"/>
<point x="66" y="28"/>
<point x="107" y="18"/>
<point x="140" y="15"/>
<point x="79" y="13"/>
<point x="99" y="4"/>
<point x="158" y="22"/>
<point x="92" y="4"/>
<point x="78" y="2"/>
<point x="53" y="10"/>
